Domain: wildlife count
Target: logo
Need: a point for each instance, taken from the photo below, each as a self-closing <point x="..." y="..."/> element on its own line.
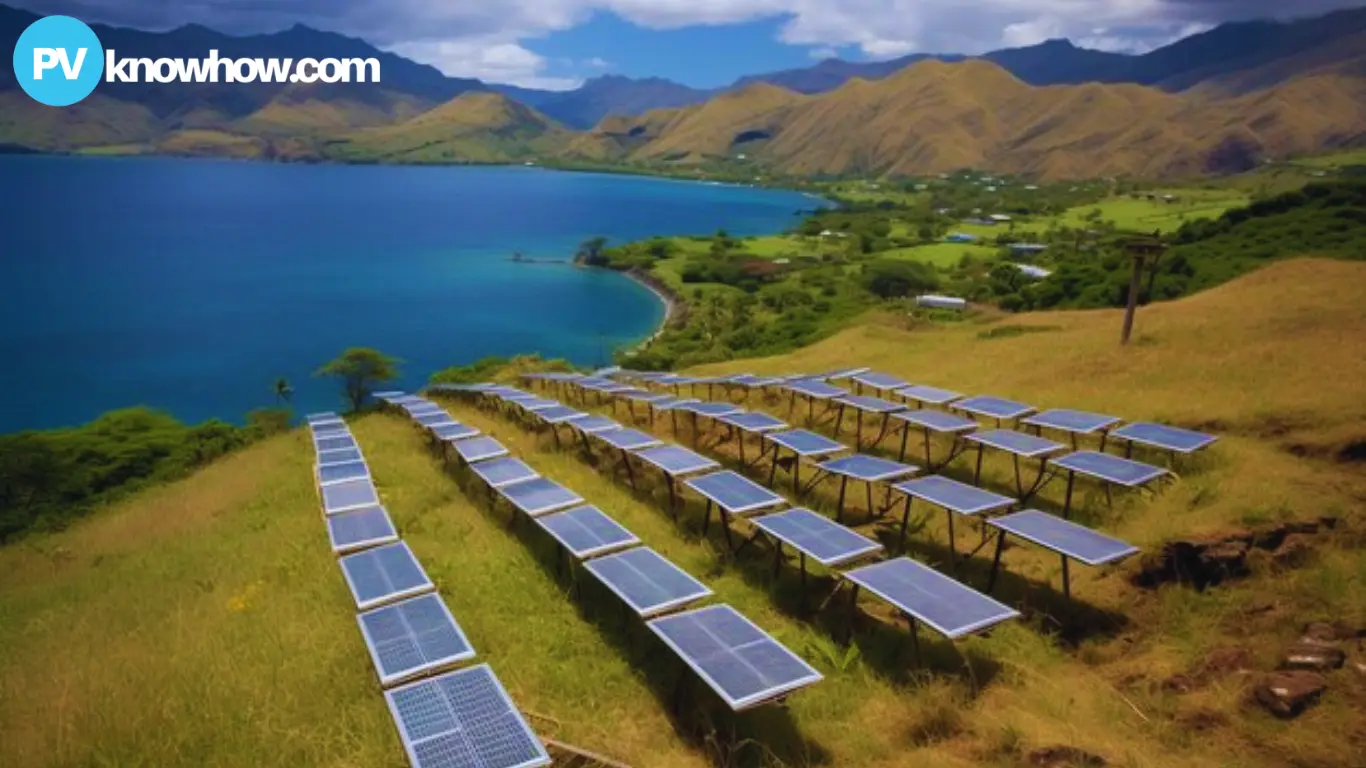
<point x="58" y="60"/>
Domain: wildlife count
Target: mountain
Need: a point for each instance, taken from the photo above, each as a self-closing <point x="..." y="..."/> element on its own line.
<point x="830" y="74"/>
<point x="599" y="97"/>
<point x="937" y="117"/>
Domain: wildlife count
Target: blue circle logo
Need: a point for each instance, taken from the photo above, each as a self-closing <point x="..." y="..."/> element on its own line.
<point x="58" y="60"/>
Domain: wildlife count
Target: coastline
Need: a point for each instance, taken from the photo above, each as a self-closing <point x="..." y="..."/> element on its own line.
<point x="673" y="304"/>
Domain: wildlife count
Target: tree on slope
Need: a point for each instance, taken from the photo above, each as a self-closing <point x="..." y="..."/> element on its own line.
<point x="358" y="370"/>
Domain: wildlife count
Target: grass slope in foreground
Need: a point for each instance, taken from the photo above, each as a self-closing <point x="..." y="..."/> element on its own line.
<point x="206" y="622"/>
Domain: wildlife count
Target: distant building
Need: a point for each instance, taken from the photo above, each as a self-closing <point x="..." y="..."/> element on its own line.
<point x="1001" y="217"/>
<point x="1027" y="248"/>
<point x="1029" y="270"/>
<point x="961" y="237"/>
<point x="941" y="302"/>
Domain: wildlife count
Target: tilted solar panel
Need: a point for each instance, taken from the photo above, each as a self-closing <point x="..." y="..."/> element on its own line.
<point x="937" y="421"/>
<point x="1065" y="420"/>
<point x="505" y="471"/>
<point x="928" y="395"/>
<point x="648" y="397"/>
<point x="879" y="381"/>
<point x="867" y="468"/>
<point x="743" y="664"/>
<point x="412" y="638"/>
<point x="337" y="473"/>
<point x="334" y="443"/>
<point x="591" y="424"/>
<point x="1017" y="443"/>
<point x="676" y="460"/>
<point x="871" y="404"/>
<point x="647" y="582"/>
<point x="804" y="442"/>
<point x="672" y="403"/>
<point x="1164" y="437"/>
<point x="419" y="407"/>
<point x="952" y="609"/>
<point x="994" y="407"/>
<point x="537" y="404"/>
<point x="754" y="422"/>
<point x="818" y="390"/>
<point x="628" y="439"/>
<point x="1064" y="537"/>
<point x="454" y="431"/>
<point x="714" y="410"/>
<point x="559" y="414"/>
<point x="339" y="456"/>
<point x="359" y="529"/>
<point x="586" y="532"/>
<point x="1112" y="469"/>
<point x="433" y="418"/>
<point x="734" y="492"/>
<point x="843" y="373"/>
<point x="329" y="428"/>
<point x="348" y="495"/>
<point x="463" y="719"/>
<point x="821" y="538"/>
<point x="384" y="574"/>
<point x="325" y="416"/>
<point x="953" y="495"/>
<point x="479" y="449"/>
<point x="539" y="496"/>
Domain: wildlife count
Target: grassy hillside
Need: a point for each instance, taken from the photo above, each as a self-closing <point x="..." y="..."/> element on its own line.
<point x="206" y="623"/>
<point x="474" y="127"/>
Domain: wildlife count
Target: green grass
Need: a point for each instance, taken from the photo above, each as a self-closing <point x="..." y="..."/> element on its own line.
<point x="1334" y="160"/>
<point x="942" y="255"/>
<point x="1147" y="215"/>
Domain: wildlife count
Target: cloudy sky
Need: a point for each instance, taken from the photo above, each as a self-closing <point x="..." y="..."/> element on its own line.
<point x="703" y="43"/>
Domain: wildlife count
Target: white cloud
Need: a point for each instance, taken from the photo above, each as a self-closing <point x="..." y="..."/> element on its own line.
<point x="597" y="63"/>
<point x="822" y="53"/>
<point x="490" y="60"/>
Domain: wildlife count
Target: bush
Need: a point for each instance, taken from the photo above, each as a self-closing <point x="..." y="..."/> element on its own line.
<point x="890" y="278"/>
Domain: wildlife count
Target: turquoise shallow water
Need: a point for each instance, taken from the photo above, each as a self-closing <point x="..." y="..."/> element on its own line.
<point x="191" y="285"/>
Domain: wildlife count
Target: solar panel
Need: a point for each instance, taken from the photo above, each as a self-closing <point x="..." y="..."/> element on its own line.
<point x="743" y="664"/>
<point x="1112" y="469"/>
<point x="672" y="379"/>
<point x="539" y="496"/>
<point x="537" y="404"/>
<point x="937" y="421"/>
<point x="647" y="582"/>
<point x="754" y="422"/>
<point x="953" y="495"/>
<point x="518" y="397"/>
<point x="559" y="414"/>
<point x="843" y="373"/>
<point x="648" y="397"/>
<point x="337" y="473"/>
<point x="384" y="574"/>
<point x="328" y="428"/>
<point x="676" y="460"/>
<point x="994" y="407"/>
<point x="1066" y="538"/>
<point x="616" y="388"/>
<point x="349" y="495"/>
<point x="463" y="719"/>
<point x="504" y="393"/>
<point x="315" y="418"/>
<point x="819" y="537"/>
<point x="420" y="407"/>
<point x="1164" y="437"/>
<point x="433" y="418"/>
<point x="870" y="469"/>
<point x="952" y="609"/>
<point x="593" y="424"/>
<point x="879" y="380"/>
<point x="412" y="638"/>
<point x="505" y="471"/>
<point x="1017" y="443"/>
<point x="359" y="529"/>
<point x="629" y="439"/>
<point x="928" y="395"/>
<point x="818" y="390"/>
<point x="670" y="403"/>
<point x="479" y="449"/>
<point x="1079" y="422"/>
<point x="339" y="456"/>
<point x="586" y="532"/>
<point x="871" y="404"/>
<point x="714" y="410"/>
<point x="734" y="492"/>
<point x="334" y="443"/>
<point x="804" y="442"/>
<point x="750" y="380"/>
<point x="401" y="399"/>
<point x="454" y="431"/>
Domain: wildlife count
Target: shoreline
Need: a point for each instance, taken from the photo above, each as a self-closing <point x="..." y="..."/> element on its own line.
<point x="671" y="302"/>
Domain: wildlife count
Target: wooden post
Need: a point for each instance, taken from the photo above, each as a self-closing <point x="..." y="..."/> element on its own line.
<point x="1139" y="250"/>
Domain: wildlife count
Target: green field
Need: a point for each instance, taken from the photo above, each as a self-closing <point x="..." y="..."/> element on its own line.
<point x="942" y="255"/>
<point x="1147" y="215"/>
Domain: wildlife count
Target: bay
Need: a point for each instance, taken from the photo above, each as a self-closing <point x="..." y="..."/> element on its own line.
<point x="191" y="285"/>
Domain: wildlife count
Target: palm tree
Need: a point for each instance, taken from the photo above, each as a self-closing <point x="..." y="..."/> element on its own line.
<point x="283" y="392"/>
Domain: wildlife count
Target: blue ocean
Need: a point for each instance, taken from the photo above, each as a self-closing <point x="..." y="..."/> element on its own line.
<point x="192" y="285"/>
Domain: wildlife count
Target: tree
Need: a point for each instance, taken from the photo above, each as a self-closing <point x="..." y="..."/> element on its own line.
<point x="889" y="278"/>
<point x="283" y="392"/>
<point x="359" y="369"/>
<point x="590" y="252"/>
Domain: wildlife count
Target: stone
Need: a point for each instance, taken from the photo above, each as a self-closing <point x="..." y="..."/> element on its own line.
<point x="1060" y="755"/>
<point x="1223" y="661"/>
<point x="1294" y="551"/>
<point x="1317" y="657"/>
<point x="1287" y="694"/>
<point x="1323" y="633"/>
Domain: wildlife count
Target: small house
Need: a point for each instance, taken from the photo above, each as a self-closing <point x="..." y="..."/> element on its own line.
<point x="1028" y="248"/>
<point x="1000" y="217"/>
<point x="1029" y="270"/>
<point x="934" y="301"/>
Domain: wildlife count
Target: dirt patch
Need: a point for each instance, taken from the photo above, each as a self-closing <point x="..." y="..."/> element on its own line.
<point x="1203" y="563"/>
<point x="1061" y="756"/>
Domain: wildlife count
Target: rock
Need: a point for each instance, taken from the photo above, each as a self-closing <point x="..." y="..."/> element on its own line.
<point x="1317" y="657"/>
<point x="1287" y="694"/>
<point x="1293" y="552"/>
<point x="1059" y="756"/>
<point x="1324" y="633"/>
<point x="1224" y="661"/>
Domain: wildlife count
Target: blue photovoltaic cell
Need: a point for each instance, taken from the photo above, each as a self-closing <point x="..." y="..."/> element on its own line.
<point x="673" y="379"/>
<point x="843" y="373"/>
<point x="871" y="404"/>
<point x="463" y="719"/>
<point x="1113" y="469"/>
<point x="454" y="431"/>
<point x="740" y="662"/>
<point x="754" y="422"/>
<point x="952" y="609"/>
<point x="867" y="468"/>
<point x="994" y="407"/>
<point x="592" y="382"/>
<point x="501" y="390"/>
<point x="676" y="460"/>
<point x="928" y="395"/>
<point x="937" y="421"/>
<point x="384" y="574"/>
<point x="537" y="404"/>
<point x="647" y="582"/>
<point x="1065" y="420"/>
<point x="505" y="471"/>
<point x="821" y="538"/>
<point x="413" y="637"/>
<point x="328" y="428"/>
<point x="539" y="496"/>
<point x="616" y="388"/>
<point x="420" y="407"/>
<point x="433" y="418"/>
<point x="345" y="496"/>
<point x="336" y="473"/>
<point x="360" y="528"/>
<point x="879" y="380"/>
<point x="1064" y="537"/>
<point x="734" y="492"/>
<point x="586" y="532"/>
<point x="714" y="410"/>
<point x="479" y="449"/>
<point x="340" y="456"/>
<point x="591" y="424"/>
<point x="559" y="414"/>
<point x="1164" y="437"/>
<point x="804" y="442"/>
<point x="648" y="397"/>
<point x="1017" y="443"/>
<point x="316" y="418"/>
<point x="519" y="397"/>
<point x="816" y="389"/>
<point x="334" y="443"/>
<point x="953" y="495"/>
<point x="628" y="439"/>
<point x="401" y="399"/>
<point x="671" y="403"/>
<point x="750" y="380"/>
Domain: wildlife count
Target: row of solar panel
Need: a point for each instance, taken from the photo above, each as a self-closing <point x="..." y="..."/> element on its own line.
<point x="462" y="718"/>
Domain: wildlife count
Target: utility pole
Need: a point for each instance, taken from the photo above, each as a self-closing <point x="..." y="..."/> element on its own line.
<point x="1139" y="250"/>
